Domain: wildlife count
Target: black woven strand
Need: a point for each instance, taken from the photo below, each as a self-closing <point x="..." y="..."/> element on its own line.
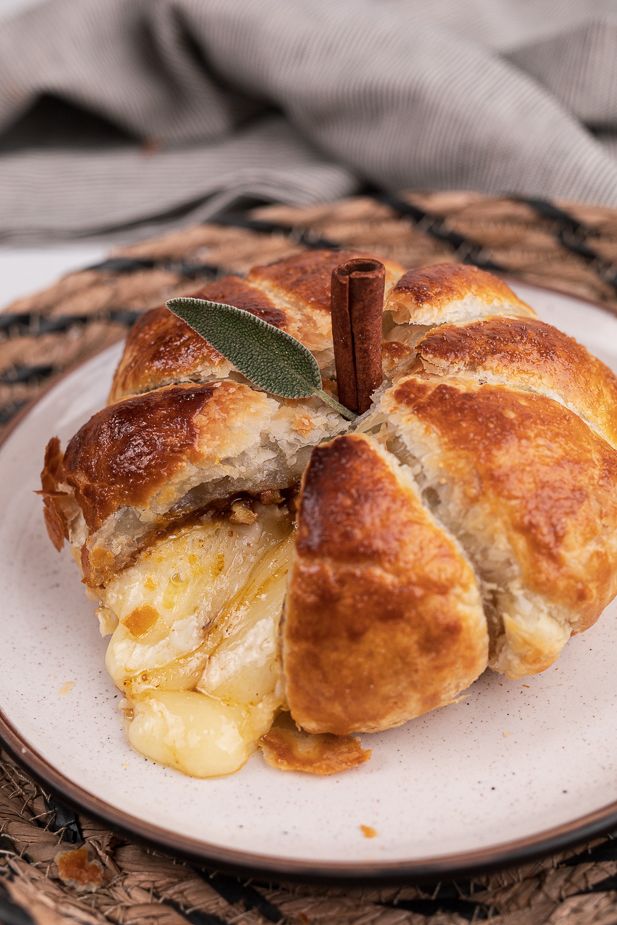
<point x="464" y="249"/>
<point x="465" y="908"/>
<point x="234" y="892"/>
<point x="64" y="821"/>
<point x="605" y="851"/>
<point x="26" y="375"/>
<point x="34" y="324"/>
<point x="123" y="265"/>
<point x="573" y="235"/>
<point x="304" y="237"/>
<point x="192" y="916"/>
<point x="135" y="264"/>
<point x="8" y="411"/>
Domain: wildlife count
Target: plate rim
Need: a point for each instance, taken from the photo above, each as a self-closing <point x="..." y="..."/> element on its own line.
<point x="427" y="869"/>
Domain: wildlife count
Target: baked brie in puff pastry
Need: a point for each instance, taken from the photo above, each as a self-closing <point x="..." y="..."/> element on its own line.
<point x="255" y="557"/>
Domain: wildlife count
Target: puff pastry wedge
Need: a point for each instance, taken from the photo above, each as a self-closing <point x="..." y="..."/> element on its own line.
<point x="254" y="557"/>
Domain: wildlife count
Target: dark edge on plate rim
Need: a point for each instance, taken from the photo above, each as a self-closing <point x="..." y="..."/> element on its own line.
<point x="428" y="870"/>
<point x="452" y="866"/>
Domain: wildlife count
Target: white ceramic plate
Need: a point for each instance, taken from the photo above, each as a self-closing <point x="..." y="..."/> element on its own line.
<point x="512" y="770"/>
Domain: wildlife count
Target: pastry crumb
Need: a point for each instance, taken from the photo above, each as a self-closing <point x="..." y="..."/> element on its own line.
<point x="76" y="869"/>
<point x="368" y="831"/>
<point x="288" y="748"/>
<point x="303" y="425"/>
<point x="66" y="688"/>
<point x="271" y="497"/>
<point x="241" y="513"/>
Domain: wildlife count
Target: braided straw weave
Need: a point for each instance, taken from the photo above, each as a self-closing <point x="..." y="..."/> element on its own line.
<point x="568" y="247"/>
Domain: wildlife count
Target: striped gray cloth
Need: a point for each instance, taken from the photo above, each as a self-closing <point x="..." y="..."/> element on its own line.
<point x="125" y="114"/>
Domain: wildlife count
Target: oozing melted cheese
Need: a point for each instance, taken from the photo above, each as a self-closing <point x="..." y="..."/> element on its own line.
<point x="195" y="646"/>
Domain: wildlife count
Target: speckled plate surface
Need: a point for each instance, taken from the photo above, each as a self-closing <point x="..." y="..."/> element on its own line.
<point x="514" y="769"/>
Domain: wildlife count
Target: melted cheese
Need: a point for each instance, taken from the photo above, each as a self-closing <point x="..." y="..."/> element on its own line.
<point x="195" y="648"/>
<point x="243" y="662"/>
<point x="191" y="732"/>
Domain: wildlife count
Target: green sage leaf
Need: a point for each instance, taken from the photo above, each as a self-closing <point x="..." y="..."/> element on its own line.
<point x="269" y="358"/>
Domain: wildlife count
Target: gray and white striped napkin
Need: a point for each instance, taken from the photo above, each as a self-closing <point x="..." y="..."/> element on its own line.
<point x="193" y="104"/>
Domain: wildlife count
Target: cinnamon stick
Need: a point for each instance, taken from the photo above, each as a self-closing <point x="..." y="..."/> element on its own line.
<point x="357" y="308"/>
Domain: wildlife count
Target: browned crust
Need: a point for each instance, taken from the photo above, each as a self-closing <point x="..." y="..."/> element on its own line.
<point x="161" y="348"/>
<point x="527" y="353"/>
<point x="129" y="451"/>
<point x="394" y="353"/>
<point x="541" y="475"/>
<point x="292" y="294"/>
<point x="436" y="287"/>
<point x="304" y="279"/>
<point x="287" y="748"/>
<point x="383" y="617"/>
<point x="51" y="479"/>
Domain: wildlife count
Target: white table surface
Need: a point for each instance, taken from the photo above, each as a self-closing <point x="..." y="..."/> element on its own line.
<point x="26" y="269"/>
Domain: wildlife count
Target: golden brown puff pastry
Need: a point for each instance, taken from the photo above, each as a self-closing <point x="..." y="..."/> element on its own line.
<point x="162" y="349"/>
<point x="529" y="490"/>
<point x="144" y="462"/>
<point x="451" y="292"/>
<point x="468" y="518"/>
<point x="289" y="748"/>
<point x="528" y="354"/>
<point x="424" y="299"/>
<point x="293" y="295"/>
<point x="384" y="619"/>
<point x="303" y="281"/>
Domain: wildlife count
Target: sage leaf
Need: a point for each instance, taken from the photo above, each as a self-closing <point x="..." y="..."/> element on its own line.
<point x="269" y="358"/>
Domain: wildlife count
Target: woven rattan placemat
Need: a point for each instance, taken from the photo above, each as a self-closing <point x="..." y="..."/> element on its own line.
<point x="568" y="247"/>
